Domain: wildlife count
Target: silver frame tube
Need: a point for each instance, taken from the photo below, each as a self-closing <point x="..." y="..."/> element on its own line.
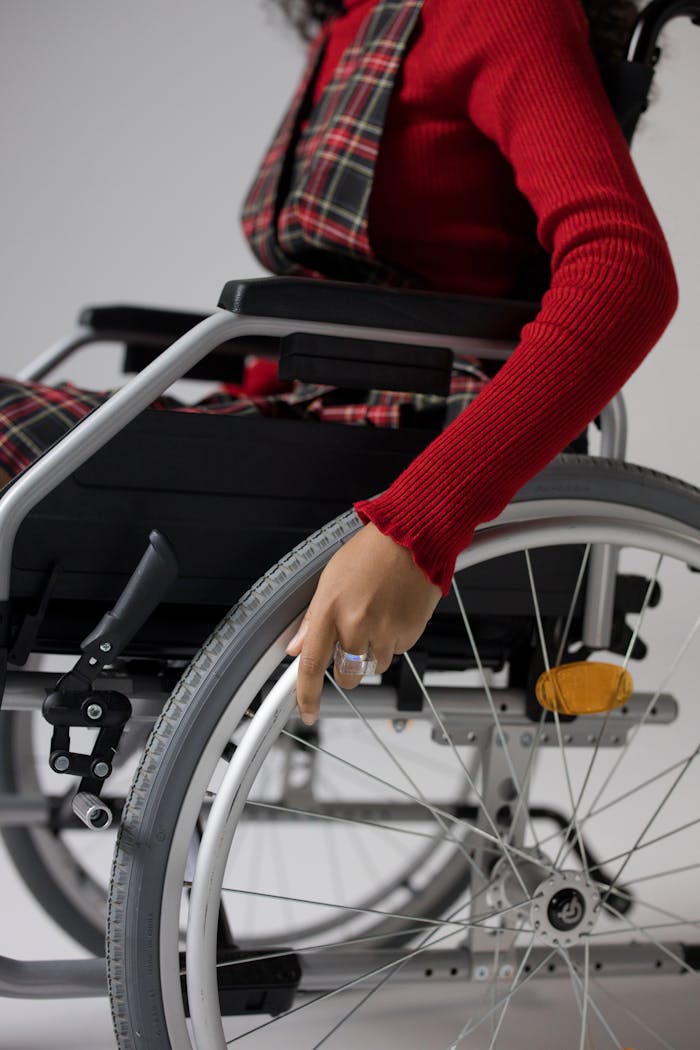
<point x="602" y="564"/>
<point x="40" y="366"/>
<point x="52" y="979"/>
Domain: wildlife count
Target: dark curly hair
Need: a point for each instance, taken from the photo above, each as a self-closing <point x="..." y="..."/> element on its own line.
<point x="610" y="21"/>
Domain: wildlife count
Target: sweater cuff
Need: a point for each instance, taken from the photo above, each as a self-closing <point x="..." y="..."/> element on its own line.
<point x="390" y="517"/>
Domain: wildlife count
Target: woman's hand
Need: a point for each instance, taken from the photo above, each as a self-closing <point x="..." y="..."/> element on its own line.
<point x="370" y="593"/>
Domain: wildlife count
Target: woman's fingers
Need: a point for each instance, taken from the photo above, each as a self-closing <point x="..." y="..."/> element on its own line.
<point x="371" y="592"/>
<point x="315" y="650"/>
<point x="295" y="644"/>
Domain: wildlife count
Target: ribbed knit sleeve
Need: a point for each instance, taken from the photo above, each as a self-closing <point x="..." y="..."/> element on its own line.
<point x="531" y="85"/>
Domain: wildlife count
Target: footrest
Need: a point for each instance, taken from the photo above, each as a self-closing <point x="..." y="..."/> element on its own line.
<point x="249" y="983"/>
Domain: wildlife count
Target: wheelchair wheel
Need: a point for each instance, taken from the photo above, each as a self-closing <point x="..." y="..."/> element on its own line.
<point x="566" y="847"/>
<point x="65" y="866"/>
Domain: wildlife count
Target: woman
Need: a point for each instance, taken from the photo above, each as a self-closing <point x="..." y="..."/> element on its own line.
<point x="497" y="136"/>
<point x="470" y="137"/>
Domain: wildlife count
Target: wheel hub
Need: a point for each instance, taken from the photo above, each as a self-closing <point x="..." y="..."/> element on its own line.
<point x="565" y="908"/>
<point x="515" y="882"/>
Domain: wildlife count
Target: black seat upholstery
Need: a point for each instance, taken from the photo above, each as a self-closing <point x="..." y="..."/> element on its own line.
<point x="232" y="494"/>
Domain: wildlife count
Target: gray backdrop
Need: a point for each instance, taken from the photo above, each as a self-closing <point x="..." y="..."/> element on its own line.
<point x="130" y="132"/>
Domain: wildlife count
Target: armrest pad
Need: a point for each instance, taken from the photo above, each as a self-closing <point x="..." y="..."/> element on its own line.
<point x="135" y="322"/>
<point x="344" y="302"/>
<point x="146" y="331"/>
<point x="364" y="365"/>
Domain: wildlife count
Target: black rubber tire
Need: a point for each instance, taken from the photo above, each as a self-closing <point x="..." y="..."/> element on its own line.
<point x="198" y="702"/>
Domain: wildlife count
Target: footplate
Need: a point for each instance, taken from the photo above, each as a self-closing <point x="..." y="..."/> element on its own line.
<point x="251" y="982"/>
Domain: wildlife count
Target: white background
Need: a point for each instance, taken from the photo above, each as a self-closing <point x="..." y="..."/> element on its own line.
<point x="129" y="134"/>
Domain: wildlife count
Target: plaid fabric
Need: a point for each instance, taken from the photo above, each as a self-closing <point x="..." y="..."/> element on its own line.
<point x="261" y="207"/>
<point x="308" y="208"/>
<point x="33" y="417"/>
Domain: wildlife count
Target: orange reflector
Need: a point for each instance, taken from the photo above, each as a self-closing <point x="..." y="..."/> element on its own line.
<point x="584" y="688"/>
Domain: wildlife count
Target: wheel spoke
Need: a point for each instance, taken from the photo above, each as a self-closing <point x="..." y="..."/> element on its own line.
<point x="621" y="798"/>
<point x="309" y="949"/>
<point x="657" y="811"/>
<point x="649" y="842"/>
<point x="356" y="909"/>
<point x="566" y="846"/>
<point x="572" y="605"/>
<point x="424" y="944"/>
<point x="514" y="983"/>
<point x="661" y="874"/>
<point x="525" y="786"/>
<point x="375" y="736"/>
<point x="650" y="926"/>
<point x="435" y="810"/>
<point x="649" y="708"/>
<point x="353" y="1010"/>
<point x="679" y="920"/>
<point x="576" y="980"/>
<point x="462" y="924"/>
<point x="489" y="696"/>
<point x="631" y="1013"/>
<point x="557" y="723"/>
<point x="638" y="787"/>
<point x="341" y="988"/>
<point x="560" y="655"/>
<point x="458" y="758"/>
<point x="584" y="1007"/>
<point x="657" y="944"/>
<point x="471" y="1026"/>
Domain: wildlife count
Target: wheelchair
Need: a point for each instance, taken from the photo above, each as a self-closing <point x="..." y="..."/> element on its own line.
<point x="457" y="829"/>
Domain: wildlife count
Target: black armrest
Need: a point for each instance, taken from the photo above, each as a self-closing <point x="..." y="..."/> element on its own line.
<point x="348" y="361"/>
<point x="134" y="322"/>
<point x="344" y="302"/>
<point x="339" y="361"/>
<point x="362" y="364"/>
<point x="146" y="331"/>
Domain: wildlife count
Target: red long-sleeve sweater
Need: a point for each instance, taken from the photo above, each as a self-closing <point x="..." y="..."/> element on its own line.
<point x="499" y="134"/>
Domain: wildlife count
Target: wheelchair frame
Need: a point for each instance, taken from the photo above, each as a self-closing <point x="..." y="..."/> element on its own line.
<point x="86" y="977"/>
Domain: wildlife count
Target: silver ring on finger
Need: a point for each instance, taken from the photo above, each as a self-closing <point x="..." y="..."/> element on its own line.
<point x="358" y="664"/>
